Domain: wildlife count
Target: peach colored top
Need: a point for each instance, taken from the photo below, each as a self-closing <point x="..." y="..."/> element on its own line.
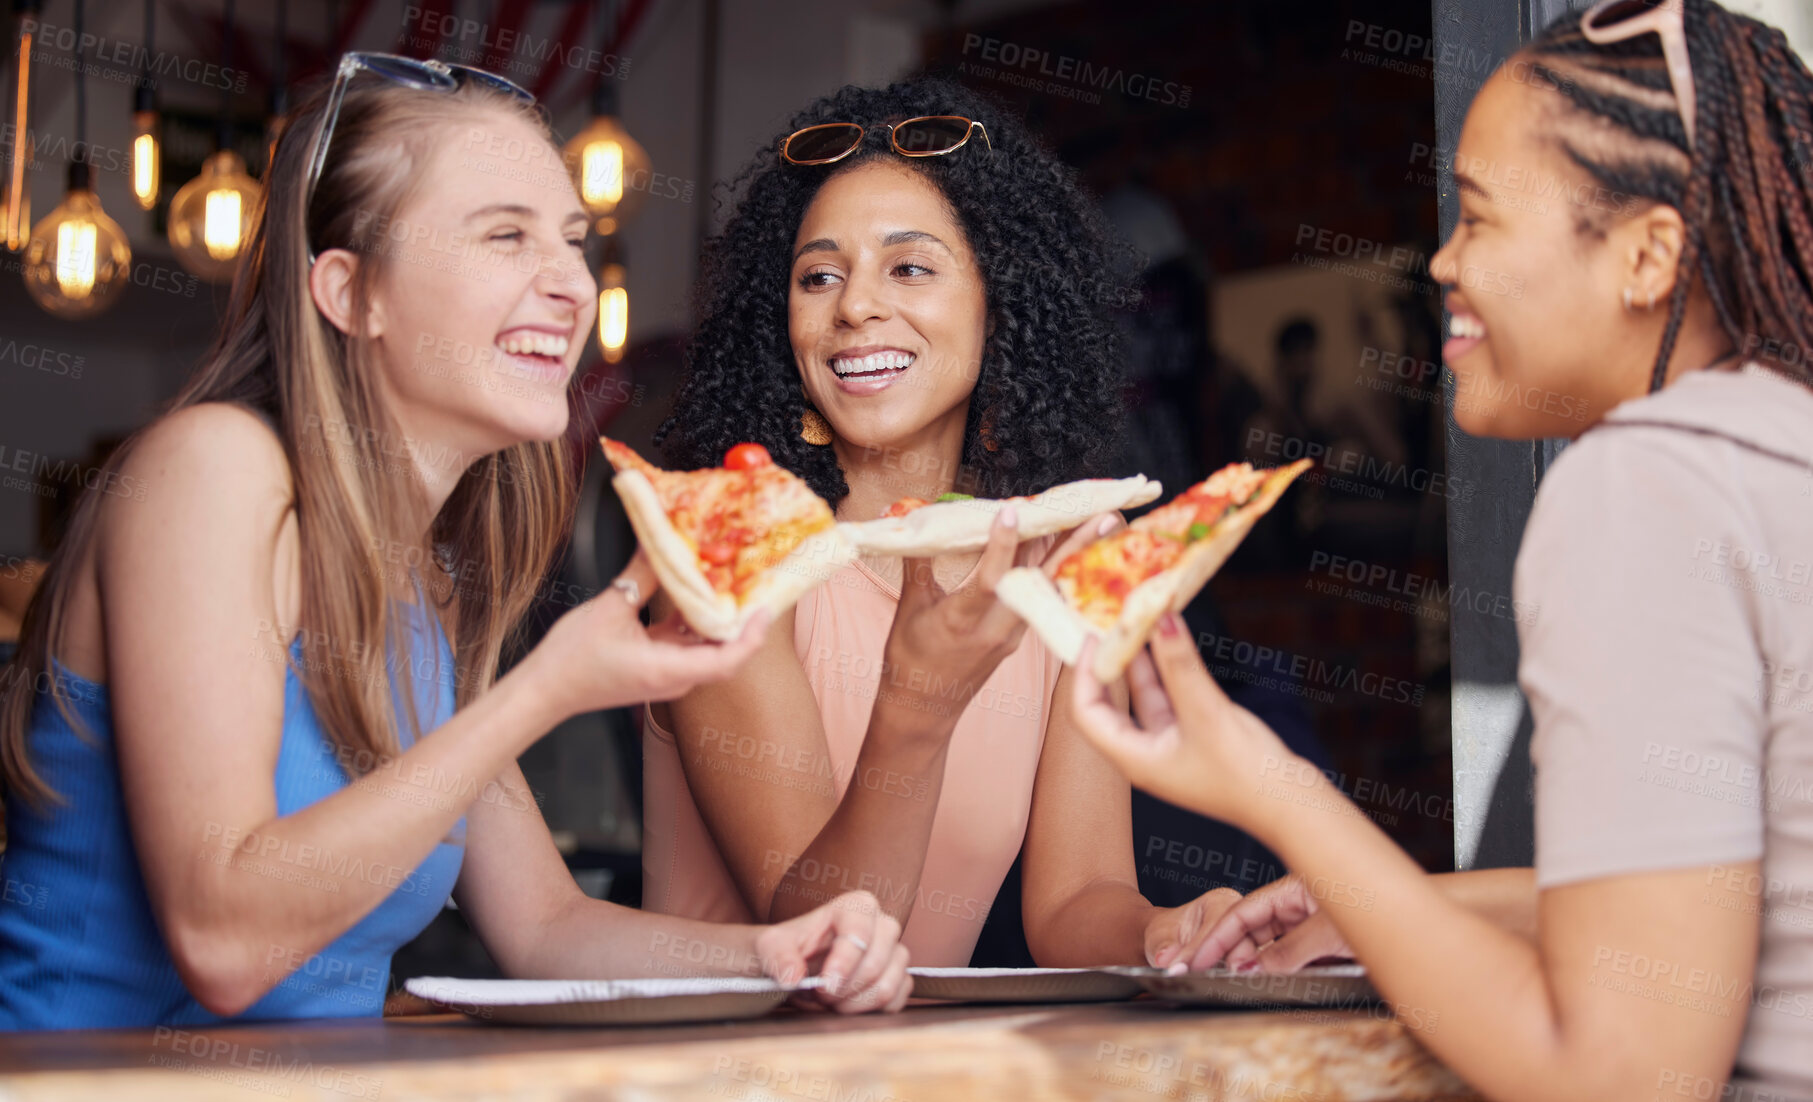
<point x="839" y="630"/>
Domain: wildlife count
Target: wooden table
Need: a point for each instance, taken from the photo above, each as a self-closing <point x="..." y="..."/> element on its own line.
<point x="1093" y="1051"/>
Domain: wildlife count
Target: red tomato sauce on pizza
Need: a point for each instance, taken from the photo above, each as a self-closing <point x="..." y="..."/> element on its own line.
<point x="1097" y="579"/>
<point x="740" y="519"/>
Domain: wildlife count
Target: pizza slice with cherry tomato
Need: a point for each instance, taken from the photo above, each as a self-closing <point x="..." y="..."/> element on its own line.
<point x="1117" y="587"/>
<point x="959" y="522"/>
<point x="726" y="541"/>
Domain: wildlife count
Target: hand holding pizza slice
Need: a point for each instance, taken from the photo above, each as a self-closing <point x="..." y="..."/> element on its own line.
<point x="1117" y="587"/>
<point x="729" y="541"/>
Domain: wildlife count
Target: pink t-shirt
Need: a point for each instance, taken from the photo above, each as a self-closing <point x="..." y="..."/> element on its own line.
<point x="1668" y="661"/>
<point x="839" y="630"/>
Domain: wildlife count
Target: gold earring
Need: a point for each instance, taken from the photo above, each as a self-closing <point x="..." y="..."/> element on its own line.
<point x="985" y="432"/>
<point x="813" y="428"/>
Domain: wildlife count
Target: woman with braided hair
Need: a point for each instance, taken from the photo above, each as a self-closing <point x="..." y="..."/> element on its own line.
<point x="1635" y="242"/>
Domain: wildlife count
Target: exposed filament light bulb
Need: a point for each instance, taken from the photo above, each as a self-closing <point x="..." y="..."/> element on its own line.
<point x="613" y="312"/>
<point x="75" y="258"/>
<point x="145" y="153"/>
<point x="221" y="225"/>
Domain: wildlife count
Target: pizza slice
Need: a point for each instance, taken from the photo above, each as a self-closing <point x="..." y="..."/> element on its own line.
<point x="1117" y="587"/>
<point x="728" y="541"/>
<point x="958" y="522"/>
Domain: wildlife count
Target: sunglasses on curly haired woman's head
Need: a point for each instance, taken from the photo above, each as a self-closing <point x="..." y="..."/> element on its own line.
<point x="411" y="72"/>
<point x="925" y="136"/>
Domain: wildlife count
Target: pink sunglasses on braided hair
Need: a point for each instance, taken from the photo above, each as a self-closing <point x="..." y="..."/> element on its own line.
<point x="1618" y="20"/>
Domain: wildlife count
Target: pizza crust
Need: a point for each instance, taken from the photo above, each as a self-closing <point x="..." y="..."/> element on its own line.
<point x="708" y="611"/>
<point x="1038" y="601"/>
<point x="946" y="527"/>
<point x="1032" y="594"/>
<point x="712" y="614"/>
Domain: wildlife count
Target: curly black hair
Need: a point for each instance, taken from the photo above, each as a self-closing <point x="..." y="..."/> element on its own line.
<point x="1049" y="389"/>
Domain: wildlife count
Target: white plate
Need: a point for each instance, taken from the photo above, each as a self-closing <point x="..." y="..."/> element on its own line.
<point x="605" y="1002"/>
<point x="1023" y="985"/>
<point x="1327" y="985"/>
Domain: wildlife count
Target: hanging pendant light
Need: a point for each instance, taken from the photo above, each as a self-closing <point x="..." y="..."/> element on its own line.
<point x="146" y="146"/>
<point x="613" y="305"/>
<point x="15" y="218"/>
<point x="609" y="168"/>
<point x="77" y="260"/>
<point x="211" y="215"/>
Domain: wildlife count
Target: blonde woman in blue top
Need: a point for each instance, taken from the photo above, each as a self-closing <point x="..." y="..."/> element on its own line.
<point x="254" y="735"/>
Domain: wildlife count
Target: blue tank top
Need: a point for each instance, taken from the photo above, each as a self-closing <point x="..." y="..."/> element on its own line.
<point x="79" y="948"/>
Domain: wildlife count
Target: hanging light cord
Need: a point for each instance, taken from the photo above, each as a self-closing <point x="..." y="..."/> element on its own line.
<point x="279" y="71"/>
<point x="223" y="137"/>
<point x="604" y="96"/>
<point x="145" y="70"/>
<point x="81" y="91"/>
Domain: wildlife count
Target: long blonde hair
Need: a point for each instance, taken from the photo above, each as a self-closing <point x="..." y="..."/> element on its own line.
<point x="276" y="355"/>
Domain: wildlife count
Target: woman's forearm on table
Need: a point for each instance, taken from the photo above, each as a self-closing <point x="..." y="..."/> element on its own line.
<point x="1430" y="955"/>
<point x="877" y="836"/>
<point x="1103" y="923"/>
<point x="595" y="939"/>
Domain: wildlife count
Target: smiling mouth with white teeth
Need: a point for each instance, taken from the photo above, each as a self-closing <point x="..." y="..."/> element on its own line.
<point x="873" y="366"/>
<point x="548" y="345"/>
<point x="1466" y="327"/>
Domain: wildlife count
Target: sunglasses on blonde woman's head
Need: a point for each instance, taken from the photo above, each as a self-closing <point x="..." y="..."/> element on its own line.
<point x="925" y="136"/>
<point x="1618" y="20"/>
<point x="408" y="71"/>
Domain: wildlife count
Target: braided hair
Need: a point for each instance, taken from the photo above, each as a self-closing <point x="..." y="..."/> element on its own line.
<point x="1047" y="404"/>
<point x="1744" y="189"/>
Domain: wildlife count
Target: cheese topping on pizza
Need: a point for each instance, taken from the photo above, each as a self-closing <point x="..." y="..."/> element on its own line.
<point x="904" y="506"/>
<point x="1097" y="579"/>
<point x="907" y="504"/>
<point x="740" y="519"/>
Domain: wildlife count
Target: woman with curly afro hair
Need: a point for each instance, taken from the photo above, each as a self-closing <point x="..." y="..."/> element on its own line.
<point x="907" y="309"/>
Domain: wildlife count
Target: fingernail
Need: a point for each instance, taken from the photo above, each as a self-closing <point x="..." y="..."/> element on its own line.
<point x="833" y="982"/>
<point x="1107" y="525"/>
<point x="1177" y="969"/>
<point x="1248" y="966"/>
<point x="1010" y="517"/>
<point x="1169" y="625"/>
